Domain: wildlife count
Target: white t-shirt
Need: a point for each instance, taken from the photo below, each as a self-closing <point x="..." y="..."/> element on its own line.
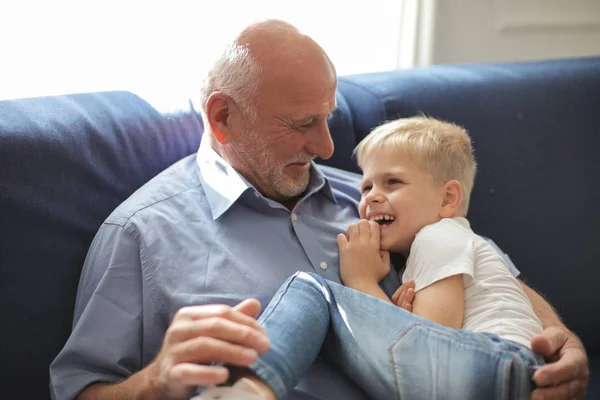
<point x="494" y="299"/>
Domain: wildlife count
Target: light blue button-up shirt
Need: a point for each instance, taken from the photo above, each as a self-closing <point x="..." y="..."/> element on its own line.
<point x="199" y="233"/>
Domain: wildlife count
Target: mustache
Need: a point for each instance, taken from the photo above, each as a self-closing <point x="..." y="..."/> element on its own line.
<point x="300" y="159"/>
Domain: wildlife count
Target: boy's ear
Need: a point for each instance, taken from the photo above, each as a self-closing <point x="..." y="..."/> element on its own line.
<point x="452" y="198"/>
<point x="219" y="109"/>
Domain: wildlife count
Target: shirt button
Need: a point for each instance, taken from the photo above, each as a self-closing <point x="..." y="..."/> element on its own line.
<point x="294" y="217"/>
<point x="323" y="265"/>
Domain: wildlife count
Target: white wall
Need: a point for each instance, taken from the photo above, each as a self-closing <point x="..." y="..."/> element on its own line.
<point x="513" y="30"/>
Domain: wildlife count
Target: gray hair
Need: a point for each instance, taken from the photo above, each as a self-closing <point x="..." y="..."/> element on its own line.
<point x="237" y="74"/>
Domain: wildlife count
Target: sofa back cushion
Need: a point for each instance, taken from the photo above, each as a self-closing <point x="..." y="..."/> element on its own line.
<point x="65" y="163"/>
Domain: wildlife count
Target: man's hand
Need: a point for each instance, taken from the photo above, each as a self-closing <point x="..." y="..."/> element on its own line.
<point x="567" y="374"/>
<point x="405" y="295"/>
<point x="361" y="261"/>
<point x="201" y="335"/>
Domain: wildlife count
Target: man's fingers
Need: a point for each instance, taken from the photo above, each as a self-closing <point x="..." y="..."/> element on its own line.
<point x="549" y="342"/>
<point x="206" y="350"/>
<point x="189" y="375"/>
<point x="219" y="311"/>
<point x="219" y="328"/>
<point x="541" y="345"/>
<point x="563" y="391"/>
<point x="249" y="307"/>
<point x="566" y="369"/>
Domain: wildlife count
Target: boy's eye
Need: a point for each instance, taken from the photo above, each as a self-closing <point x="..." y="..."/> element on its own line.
<point x="365" y="189"/>
<point x="394" y="181"/>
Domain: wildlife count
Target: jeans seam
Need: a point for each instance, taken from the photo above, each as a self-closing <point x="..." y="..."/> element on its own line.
<point x="272" y="309"/>
<point x="271" y="378"/>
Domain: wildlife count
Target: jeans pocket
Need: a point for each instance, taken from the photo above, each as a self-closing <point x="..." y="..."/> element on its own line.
<point x="434" y="362"/>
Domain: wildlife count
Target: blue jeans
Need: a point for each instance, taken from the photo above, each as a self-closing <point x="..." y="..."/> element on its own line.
<point x="386" y="350"/>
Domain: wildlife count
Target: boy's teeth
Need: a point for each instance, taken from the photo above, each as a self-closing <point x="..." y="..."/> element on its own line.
<point x="384" y="217"/>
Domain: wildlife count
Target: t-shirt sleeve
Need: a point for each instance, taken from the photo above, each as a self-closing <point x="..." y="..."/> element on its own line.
<point x="439" y="251"/>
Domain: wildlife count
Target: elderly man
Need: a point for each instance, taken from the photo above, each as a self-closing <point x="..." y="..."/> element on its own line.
<point x="229" y="224"/>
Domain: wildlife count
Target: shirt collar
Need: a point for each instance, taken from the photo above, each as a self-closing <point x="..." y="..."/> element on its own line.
<point x="318" y="182"/>
<point x="223" y="185"/>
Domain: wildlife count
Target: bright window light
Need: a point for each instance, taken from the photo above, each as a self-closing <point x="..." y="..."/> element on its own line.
<point x="159" y="49"/>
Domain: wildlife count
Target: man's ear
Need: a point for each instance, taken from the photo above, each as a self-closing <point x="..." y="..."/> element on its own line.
<point x="219" y="109"/>
<point x="452" y="197"/>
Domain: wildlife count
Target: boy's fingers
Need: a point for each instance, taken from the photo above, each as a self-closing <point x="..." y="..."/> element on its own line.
<point x="363" y="228"/>
<point x="374" y="231"/>
<point x="353" y="232"/>
<point x="405" y="294"/>
<point x="341" y="239"/>
<point x="397" y="294"/>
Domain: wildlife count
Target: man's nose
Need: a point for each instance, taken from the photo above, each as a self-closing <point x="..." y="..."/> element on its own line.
<point x="320" y="142"/>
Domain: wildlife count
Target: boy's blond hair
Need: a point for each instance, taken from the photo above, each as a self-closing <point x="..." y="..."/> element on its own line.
<point x="442" y="148"/>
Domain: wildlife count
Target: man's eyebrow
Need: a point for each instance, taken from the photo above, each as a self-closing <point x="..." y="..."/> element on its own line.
<point x="310" y="118"/>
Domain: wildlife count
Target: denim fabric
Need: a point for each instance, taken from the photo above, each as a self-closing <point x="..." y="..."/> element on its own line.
<point x="387" y="351"/>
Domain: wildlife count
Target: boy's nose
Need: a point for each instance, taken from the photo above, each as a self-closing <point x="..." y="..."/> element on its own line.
<point x="373" y="197"/>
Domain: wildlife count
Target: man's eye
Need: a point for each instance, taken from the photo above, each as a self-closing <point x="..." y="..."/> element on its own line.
<point x="305" y="127"/>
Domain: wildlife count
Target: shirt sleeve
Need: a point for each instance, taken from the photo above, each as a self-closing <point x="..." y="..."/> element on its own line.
<point x="105" y="345"/>
<point x="439" y="251"/>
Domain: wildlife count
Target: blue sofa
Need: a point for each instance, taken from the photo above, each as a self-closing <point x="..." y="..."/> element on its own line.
<point x="67" y="161"/>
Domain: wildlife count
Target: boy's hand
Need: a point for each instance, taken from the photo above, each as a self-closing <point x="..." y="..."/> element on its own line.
<point x="361" y="261"/>
<point x="405" y="295"/>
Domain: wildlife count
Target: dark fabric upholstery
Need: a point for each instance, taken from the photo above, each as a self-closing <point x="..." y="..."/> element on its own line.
<point x="65" y="163"/>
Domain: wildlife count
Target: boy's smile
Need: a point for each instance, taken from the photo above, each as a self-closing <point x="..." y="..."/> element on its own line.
<point x="400" y="196"/>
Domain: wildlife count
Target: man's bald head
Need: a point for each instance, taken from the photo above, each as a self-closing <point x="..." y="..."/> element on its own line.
<point x="280" y="47"/>
<point x="268" y="52"/>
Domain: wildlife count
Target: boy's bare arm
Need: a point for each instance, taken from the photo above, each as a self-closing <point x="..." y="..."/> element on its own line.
<point x="442" y="302"/>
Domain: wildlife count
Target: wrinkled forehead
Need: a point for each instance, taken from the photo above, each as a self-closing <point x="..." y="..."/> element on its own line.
<point x="303" y="94"/>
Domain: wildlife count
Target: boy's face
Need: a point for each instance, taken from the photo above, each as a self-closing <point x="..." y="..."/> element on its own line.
<point x="399" y="195"/>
